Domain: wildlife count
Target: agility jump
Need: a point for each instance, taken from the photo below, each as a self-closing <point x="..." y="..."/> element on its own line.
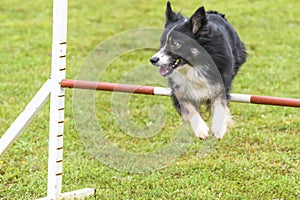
<point x="55" y="89"/>
<point x="160" y="91"/>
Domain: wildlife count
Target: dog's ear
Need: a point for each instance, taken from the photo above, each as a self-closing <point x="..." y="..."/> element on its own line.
<point x="198" y="20"/>
<point x="170" y="15"/>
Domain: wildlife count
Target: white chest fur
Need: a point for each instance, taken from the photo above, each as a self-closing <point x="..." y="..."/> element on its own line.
<point x="190" y="84"/>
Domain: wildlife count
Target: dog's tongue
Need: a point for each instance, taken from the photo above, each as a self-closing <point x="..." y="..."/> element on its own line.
<point x="163" y="70"/>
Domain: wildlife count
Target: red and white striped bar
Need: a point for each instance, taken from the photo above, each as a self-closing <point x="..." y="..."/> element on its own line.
<point x="104" y="86"/>
<point x="160" y="91"/>
<point x="266" y="100"/>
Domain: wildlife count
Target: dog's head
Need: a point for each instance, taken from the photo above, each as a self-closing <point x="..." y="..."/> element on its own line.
<point x="177" y="46"/>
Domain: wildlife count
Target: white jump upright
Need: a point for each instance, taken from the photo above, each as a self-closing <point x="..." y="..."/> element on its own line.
<point x="57" y="98"/>
<point x="53" y="88"/>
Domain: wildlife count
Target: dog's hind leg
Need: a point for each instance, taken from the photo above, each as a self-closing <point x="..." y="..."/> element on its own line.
<point x="221" y="117"/>
<point x="190" y="114"/>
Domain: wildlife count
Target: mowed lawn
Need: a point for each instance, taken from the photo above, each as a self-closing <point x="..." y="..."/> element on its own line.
<point x="257" y="159"/>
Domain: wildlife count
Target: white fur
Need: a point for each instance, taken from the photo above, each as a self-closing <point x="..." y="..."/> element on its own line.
<point x="219" y="121"/>
<point x="192" y="85"/>
<point x="199" y="126"/>
<point x="163" y="58"/>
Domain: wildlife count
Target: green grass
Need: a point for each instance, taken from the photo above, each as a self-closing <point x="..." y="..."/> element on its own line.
<point x="257" y="159"/>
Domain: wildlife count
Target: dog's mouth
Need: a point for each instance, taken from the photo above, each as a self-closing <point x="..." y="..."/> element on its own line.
<point x="166" y="70"/>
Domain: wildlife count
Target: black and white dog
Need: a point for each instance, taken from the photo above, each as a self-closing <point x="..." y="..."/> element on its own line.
<point x="200" y="56"/>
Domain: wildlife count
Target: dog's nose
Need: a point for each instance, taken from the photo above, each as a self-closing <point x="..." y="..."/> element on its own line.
<point x="154" y="60"/>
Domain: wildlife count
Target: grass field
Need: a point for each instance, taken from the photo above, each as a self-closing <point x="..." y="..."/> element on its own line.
<point x="257" y="159"/>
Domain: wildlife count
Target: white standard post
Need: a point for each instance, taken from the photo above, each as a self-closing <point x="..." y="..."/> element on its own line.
<point x="57" y="98"/>
<point x="57" y="103"/>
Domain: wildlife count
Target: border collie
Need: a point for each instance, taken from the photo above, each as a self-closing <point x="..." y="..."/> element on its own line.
<point x="200" y="56"/>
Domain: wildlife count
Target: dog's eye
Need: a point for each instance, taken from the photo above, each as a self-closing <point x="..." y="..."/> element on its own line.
<point x="176" y="45"/>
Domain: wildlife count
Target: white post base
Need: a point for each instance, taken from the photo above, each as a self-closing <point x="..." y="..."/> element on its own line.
<point x="76" y="194"/>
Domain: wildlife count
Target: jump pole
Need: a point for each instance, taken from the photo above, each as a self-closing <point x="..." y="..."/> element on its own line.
<point x="150" y="90"/>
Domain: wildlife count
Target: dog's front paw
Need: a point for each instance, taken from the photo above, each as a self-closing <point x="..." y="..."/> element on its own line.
<point x="219" y="122"/>
<point x="199" y="127"/>
<point x="219" y="129"/>
<point x="202" y="132"/>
